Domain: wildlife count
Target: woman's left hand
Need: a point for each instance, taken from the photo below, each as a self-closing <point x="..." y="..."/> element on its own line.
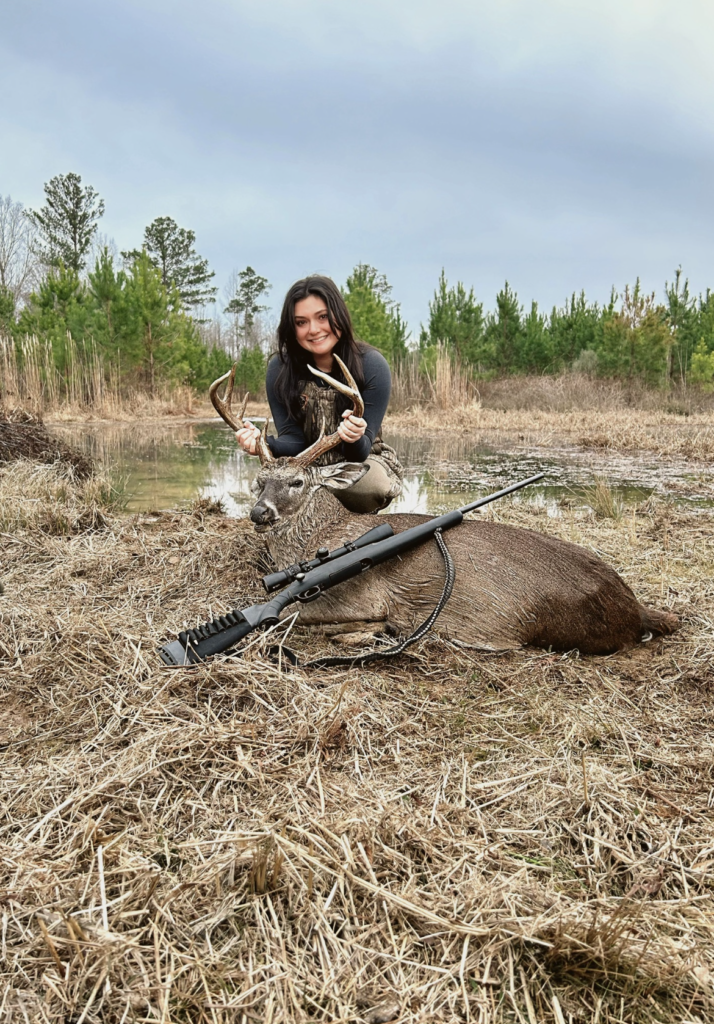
<point x="352" y="427"/>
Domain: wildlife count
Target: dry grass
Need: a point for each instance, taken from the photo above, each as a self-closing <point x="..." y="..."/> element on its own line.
<point x="30" y="380"/>
<point x="571" y="409"/>
<point x="572" y="392"/>
<point x="458" y="836"/>
<point x="50" y="499"/>
<point x="667" y="434"/>
<point x="600" y="497"/>
<point x="451" y="386"/>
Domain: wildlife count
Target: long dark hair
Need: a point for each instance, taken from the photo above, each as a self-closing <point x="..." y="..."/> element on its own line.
<point x="294" y="359"/>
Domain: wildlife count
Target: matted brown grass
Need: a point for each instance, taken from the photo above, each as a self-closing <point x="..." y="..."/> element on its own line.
<point x="665" y="433"/>
<point x="457" y="836"/>
<point x="32" y="441"/>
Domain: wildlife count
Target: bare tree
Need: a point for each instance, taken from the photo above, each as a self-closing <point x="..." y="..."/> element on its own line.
<point x="19" y="267"/>
<point x="100" y="242"/>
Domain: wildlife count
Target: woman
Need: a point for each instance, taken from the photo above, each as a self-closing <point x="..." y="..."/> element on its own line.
<point x="314" y="324"/>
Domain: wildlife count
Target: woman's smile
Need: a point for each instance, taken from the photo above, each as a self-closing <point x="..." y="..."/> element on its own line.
<point x="313" y="330"/>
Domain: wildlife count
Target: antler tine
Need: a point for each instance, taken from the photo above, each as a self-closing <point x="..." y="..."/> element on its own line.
<point x="223" y="405"/>
<point x="317" y="448"/>
<point x="349" y="389"/>
<point x="261" y="447"/>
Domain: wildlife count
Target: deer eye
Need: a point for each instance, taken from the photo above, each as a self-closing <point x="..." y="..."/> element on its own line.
<point x="296" y="483"/>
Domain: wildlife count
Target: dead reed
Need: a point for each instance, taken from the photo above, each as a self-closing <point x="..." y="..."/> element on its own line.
<point x="600" y="497"/>
<point x="86" y="389"/>
<point x="444" y="384"/>
<point x="669" y="435"/>
<point x="458" y="836"/>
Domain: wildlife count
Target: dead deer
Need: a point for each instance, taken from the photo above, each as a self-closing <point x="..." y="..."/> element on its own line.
<point x="513" y="586"/>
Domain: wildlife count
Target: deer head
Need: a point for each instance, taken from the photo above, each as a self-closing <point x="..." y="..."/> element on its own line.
<point x="286" y="487"/>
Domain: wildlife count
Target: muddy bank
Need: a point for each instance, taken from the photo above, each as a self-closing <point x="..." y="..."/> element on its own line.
<point x="27" y="438"/>
<point x="244" y="838"/>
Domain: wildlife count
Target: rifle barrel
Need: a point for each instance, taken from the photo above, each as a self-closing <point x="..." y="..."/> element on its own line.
<point x="500" y="494"/>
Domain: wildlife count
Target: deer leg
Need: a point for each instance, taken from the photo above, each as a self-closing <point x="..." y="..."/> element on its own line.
<point x="348" y="603"/>
<point x="340" y="628"/>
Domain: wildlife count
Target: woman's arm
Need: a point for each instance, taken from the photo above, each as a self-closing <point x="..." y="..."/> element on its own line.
<point x="375" y="393"/>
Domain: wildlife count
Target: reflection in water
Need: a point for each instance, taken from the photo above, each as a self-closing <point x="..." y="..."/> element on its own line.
<point x="416" y="494"/>
<point x="162" y="465"/>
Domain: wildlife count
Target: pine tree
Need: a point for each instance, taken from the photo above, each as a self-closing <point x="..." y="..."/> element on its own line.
<point x="171" y="250"/>
<point x="536" y="351"/>
<point x="682" y="318"/>
<point x="705" y="320"/>
<point x="7" y="310"/>
<point x="244" y="306"/>
<point x="455" y="320"/>
<point x="504" y="333"/>
<point x="67" y="222"/>
<point x="575" y="328"/>
<point x="702" y="368"/>
<point x="376" y="317"/>
<point x="58" y="308"/>
<point x="636" y="340"/>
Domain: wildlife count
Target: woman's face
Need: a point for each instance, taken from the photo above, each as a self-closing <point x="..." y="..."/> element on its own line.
<point x="312" y="326"/>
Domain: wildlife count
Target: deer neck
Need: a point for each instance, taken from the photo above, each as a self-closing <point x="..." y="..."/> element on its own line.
<point x="322" y="522"/>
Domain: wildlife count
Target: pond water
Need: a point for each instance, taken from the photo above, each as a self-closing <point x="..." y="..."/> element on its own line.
<point x="162" y="465"/>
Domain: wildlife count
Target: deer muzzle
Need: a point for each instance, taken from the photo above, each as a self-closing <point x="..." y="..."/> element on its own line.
<point x="263" y="515"/>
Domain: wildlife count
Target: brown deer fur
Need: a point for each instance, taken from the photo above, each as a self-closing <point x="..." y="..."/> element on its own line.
<point x="513" y="586"/>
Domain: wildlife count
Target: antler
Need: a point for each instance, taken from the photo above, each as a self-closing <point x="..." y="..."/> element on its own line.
<point x="225" y="411"/>
<point x="325" y="444"/>
<point x="223" y="405"/>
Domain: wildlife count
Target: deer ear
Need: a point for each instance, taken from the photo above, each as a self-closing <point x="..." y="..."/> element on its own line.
<point x="341" y="475"/>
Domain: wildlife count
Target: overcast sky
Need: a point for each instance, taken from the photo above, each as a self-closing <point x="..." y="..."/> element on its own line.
<point x="561" y="144"/>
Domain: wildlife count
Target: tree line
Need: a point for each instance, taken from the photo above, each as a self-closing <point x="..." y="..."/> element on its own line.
<point x="141" y="310"/>
<point x="632" y="336"/>
<point x="144" y="310"/>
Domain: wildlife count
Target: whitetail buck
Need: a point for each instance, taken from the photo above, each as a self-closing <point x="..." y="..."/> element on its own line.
<point x="513" y="586"/>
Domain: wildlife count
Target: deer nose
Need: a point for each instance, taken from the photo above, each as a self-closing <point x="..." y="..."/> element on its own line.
<point x="261" y="514"/>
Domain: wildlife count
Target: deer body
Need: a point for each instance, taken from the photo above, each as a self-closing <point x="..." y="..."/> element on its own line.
<point x="513" y="586"/>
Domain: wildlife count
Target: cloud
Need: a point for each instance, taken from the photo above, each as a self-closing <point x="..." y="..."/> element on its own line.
<point x="560" y="145"/>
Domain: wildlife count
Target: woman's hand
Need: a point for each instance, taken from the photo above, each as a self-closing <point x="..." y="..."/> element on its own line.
<point x="247" y="438"/>
<point x="352" y="427"/>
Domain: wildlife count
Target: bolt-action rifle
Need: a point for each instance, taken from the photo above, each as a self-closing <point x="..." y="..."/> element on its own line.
<point x="305" y="581"/>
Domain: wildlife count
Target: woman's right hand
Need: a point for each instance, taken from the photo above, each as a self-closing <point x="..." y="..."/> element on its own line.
<point x="247" y="438"/>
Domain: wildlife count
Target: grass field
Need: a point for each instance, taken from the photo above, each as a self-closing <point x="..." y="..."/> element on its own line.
<point x="524" y="837"/>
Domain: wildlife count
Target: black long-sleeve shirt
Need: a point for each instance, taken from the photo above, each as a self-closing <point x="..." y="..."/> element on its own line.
<point x="375" y="394"/>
